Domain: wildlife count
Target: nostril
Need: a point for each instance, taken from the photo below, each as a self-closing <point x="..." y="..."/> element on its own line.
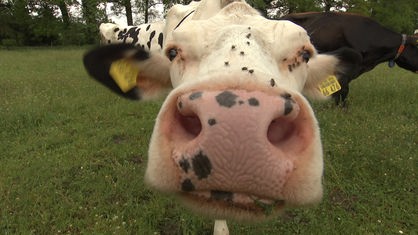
<point x="190" y="124"/>
<point x="280" y="131"/>
<point x="187" y="119"/>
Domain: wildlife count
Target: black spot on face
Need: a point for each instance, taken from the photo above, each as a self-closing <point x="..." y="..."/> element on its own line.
<point x="180" y="105"/>
<point x="108" y="41"/>
<point x="148" y="27"/>
<point x="290" y="68"/>
<point x="184" y="164"/>
<point x="248" y="43"/>
<point x="286" y="96"/>
<point x="115" y="30"/>
<point x="288" y="106"/>
<point x="226" y="99"/>
<point x="240" y="102"/>
<point x="253" y="102"/>
<point x="272" y="82"/>
<point x="221" y="195"/>
<point x="233" y="47"/>
<point x="251" y="71"/>
<point x="201" y="166"/>
<point x="187" y="185"/>
<point x="211" y="122"/>
<point x="195" y="95"/>
<point x="248" y="35"/>
<point x="242" y="53"/>
<point x="226" y="63"/>
<point x="244" y="68"/>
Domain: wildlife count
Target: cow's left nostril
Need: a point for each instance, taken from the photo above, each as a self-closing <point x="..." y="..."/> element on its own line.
<point x="280" y="131"/>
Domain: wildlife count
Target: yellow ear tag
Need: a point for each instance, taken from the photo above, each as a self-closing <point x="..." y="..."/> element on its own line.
<point x="124" y="74"/>
<point x="329" y="86"/>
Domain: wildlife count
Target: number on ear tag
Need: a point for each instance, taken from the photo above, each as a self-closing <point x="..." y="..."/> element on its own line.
<point x="124" y="74"/>
<point x="329" y="86"/>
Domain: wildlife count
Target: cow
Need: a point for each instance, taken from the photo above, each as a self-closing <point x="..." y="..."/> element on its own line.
<point x="149" y="36"/>
<point x="373" y="43"/>
<point x="235" y="138"/>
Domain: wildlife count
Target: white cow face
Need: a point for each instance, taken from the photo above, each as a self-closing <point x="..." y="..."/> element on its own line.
<point x="234" y="138"/>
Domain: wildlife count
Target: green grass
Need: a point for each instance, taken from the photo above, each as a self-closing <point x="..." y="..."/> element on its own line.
<point x="73" y="157"/>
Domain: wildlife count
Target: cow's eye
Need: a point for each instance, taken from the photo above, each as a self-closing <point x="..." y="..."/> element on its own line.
<point x="172" y="53"/>
<point x="306" y="55"/>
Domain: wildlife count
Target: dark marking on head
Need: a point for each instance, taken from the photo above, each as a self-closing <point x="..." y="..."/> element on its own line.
<point x="288" y="104"/>
<point x="184" y="164"/>
<point x="272" y="82"/>
<point x="249" y="28"/>
<point x="201" y="165"/>
<point x="160" y="39"/>
<point x="187" y="185"/>
<point x="124" y="30"/>
<point x="108" y="41"/>
<point x="226" y="63"/>
<point x="290" y="68"/>
<point x="288" y="107"/>
<point x="233" y="47"/>
<point x="180" y="105"/>
<point x="242" y="53"/>
<point x="149" y="26"/>
<point x="195" y="95"/>
<point x="286" y="96"/>
<point x="226" y="99"/>
<point x="248" y="43"/>
<point x="115" y="30"/>
<point x="212" y="122"/>
<point x="221" y="195"/>
<point x="143" y="46"/>
<point x="251" y="70"/>
<point x="248" y="35"/>
<point x="253" y="102"/>
<point x="244" y="68"/>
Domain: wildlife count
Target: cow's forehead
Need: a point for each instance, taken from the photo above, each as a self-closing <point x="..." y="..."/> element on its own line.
<point x="283" y="36"/>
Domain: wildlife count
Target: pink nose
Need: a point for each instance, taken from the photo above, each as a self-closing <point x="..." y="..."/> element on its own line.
<point x="236" y="142"/>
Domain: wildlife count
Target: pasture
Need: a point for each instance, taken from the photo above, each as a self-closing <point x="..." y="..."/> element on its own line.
<point x="73" y="154"/>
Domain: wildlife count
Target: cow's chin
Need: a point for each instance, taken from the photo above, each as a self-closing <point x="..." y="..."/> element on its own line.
<point x="236" y="206"/>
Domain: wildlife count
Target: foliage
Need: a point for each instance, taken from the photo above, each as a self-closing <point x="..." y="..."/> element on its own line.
<point x="50" y="22"/>
<point x="73" y="157"/>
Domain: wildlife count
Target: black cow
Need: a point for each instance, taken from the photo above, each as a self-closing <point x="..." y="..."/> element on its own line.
<point x="373" y="43"/>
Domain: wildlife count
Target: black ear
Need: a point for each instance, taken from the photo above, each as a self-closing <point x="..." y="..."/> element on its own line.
<point x="98" y="61"/>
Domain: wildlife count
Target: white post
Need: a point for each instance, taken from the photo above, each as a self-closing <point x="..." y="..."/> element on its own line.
<point x="220" y="228"/>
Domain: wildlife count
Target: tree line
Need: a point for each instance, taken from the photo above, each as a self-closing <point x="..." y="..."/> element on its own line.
<point x="75" y="22"/>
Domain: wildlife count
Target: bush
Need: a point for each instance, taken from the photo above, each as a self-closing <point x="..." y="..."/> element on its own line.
<point x="9" y="42"/>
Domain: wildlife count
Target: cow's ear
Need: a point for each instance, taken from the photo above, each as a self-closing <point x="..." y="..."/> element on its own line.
<point x="341" y="63"/>
<point x="98" y="63"/>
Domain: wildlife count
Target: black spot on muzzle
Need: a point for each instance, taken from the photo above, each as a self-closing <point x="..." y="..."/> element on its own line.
<point x="226" y="99"/>
<point x="201" y="165"/>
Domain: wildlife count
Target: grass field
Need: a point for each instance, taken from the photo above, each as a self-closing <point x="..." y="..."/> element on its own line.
<point x="72" y="157"/>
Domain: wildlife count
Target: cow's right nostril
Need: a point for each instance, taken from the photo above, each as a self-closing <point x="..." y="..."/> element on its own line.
<point x="189" y="121"/>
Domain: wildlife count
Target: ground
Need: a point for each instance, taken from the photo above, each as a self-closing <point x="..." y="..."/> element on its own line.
<point x="73" y="157"/>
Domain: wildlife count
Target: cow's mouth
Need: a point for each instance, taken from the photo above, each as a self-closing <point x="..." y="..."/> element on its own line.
<point x="238" y="202"/>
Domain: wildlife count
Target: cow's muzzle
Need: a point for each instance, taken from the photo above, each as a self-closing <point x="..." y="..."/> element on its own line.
<point x="238" y="150"/>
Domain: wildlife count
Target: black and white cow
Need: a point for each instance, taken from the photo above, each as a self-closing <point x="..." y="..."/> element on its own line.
<point x="147" y="36"/>
<point x="234" y="138"/>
